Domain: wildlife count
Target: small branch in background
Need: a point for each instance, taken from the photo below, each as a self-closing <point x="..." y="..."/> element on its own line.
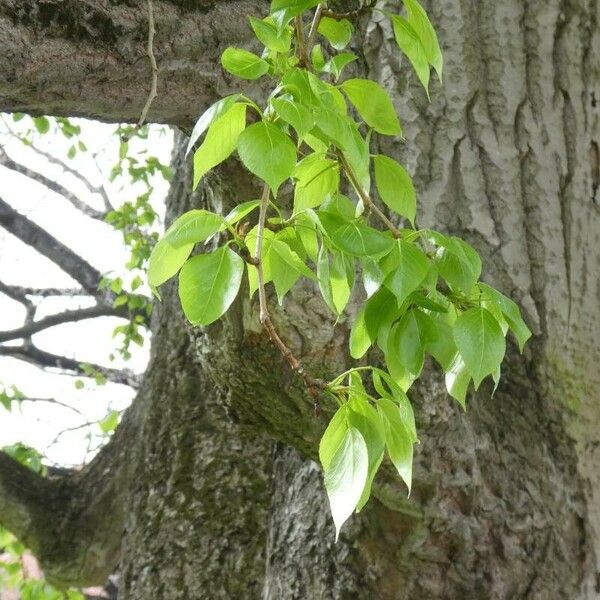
<point x="154" y="69"/>
<point x="46" y="360"/>
<point x="53" y="186"/>
<point x="40" y="292"/>
<point x="50" y="401"/>
<point x="40" y="240"/>
<point x="67" y="316"/>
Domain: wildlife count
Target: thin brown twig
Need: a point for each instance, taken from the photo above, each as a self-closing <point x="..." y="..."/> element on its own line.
<point x="366" y="199"/>
<point x="313" y="385"/>
<point x="313" y="29"/>
<point x="154" y="68"/>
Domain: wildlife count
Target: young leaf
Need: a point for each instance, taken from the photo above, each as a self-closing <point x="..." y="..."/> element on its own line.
<point x="409" y="42"/>
<point x="209" y="116"/>
<point x="457" y="380"/>
<point x="297" y="115"/>
<point x="208" y="284"/>
<point x="243" y="64"/>
<point x="406" y="268"/>
<point x="165" y="260"/>
<point x="480" y="342"/>
<point x="220" y="141"/>
<point x="317" y="178"/>
<point x="336" y="64"/>
<point x="406" y="340"/>
<point x="284" y="10"/>
<point x="333" y="437"/>
<point x="395" y="187"/>
<point x="192" y="227"/>
<point x="240" y="211"/>
<point x="285" y="267"/>
<point x="420" y="22"/>
<point x="362" y="416"/>
<point x="346" y="476"/>
<point x="270" y="35"/>
<point x="373" y="104"/>
<point x="324" y="278"/>
<point x="355" y="238"/>
<point x="337" y="33"/>
<point x="360" y="341"/>
<point x="511" y="313"/>
<point x="268" y="153"/>
<point x="397" y="439"/>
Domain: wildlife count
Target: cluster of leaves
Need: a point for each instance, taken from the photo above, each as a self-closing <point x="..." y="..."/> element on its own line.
<point x="43" y="125"/>
<point x="423" y="294"/>
<point x="13" y="574"/>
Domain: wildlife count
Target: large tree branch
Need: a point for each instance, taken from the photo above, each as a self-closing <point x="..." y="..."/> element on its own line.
<point x="72" y="520"/>
<point x="21" y="510"/>
<point x="37" y="237"/>
<point x="88" y="59"/>
<point x="47" y="360"/>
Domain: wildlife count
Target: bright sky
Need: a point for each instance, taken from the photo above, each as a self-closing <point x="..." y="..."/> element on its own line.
<point x="88" y="341"/>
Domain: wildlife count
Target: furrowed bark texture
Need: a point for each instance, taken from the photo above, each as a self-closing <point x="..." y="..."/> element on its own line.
<point x="505" y="497"/>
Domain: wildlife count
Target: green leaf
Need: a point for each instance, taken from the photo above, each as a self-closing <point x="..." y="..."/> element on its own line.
<point x="406" y="267"/>
<point x="346" y="476"/>
<point x="457" y="262"/>
<point x="363" y="417"/>
<point x="406" y="340"/>
<point x="221" y="140"/>
<point x="437" y="339"/>
<point x="110" y="422"/>
<point x="360" y="341"/>
<point x="284" y="266"/>
<point x="192" y="227"/>
<point x="397" y="439"/>
<point x="208" y="284"/>
<point x="297" y="115"/>
<point x="268" y="153"/>
<point x="337" y="33"/>
<point x="409" y="42"/>
<point x="373" y="104"/>
<point x="380" y="309"/>
<point x="480" y="341"/>
<point x="417" y="17"/>
<point x="238" y="212"/>
<point x="165" y="261"/>
<point x="270" y="35"/>
<point x="335" y="127"/>
<point x="243" y="64"/>
<point x="209" y="116"/>
<point x="333" y="437"/>
<point x="355" y="238"/>
<point x="511" y="313"/>
<point x="317" y="58"/>
<point x="395" y="187"/>
<point x="42" y="124"/>
<point x="335" y="280"/>
<point x="284" y="10"/>
<point x="317" y="178"/>
<point x="457" y="380"/>
<point x="336" y="64"/>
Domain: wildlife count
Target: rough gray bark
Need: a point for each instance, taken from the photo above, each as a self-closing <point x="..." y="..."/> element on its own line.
<point x="505" y="499"/>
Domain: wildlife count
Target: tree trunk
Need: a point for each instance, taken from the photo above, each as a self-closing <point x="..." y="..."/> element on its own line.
<point x="222" y="498"/>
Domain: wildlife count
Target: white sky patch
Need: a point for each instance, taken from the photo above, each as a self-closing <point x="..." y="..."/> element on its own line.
<point x="38" y="424"/>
